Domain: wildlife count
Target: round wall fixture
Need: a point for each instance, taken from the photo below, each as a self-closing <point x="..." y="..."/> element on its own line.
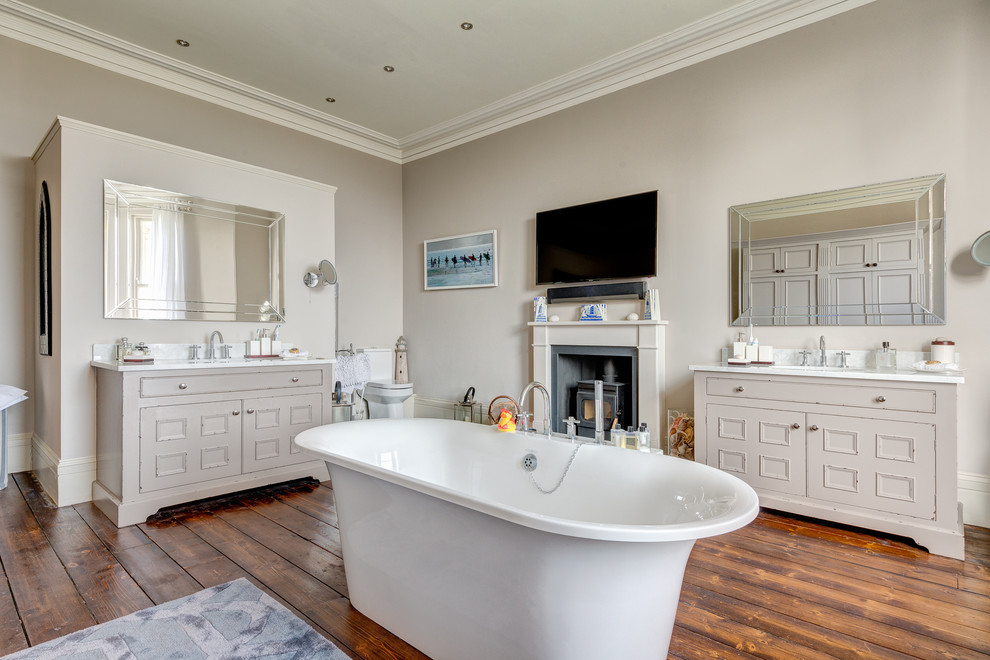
<point x="326" y="273"/>
<point x="981" y="249"/>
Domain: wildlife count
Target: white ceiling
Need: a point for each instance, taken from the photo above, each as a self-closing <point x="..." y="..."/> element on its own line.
<point x="280" y="59"/>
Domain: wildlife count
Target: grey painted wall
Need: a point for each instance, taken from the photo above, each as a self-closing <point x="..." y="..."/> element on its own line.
<point x="891" y="90"/>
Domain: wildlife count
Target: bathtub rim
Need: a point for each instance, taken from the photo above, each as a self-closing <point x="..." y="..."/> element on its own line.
<point x="743" y="511"/>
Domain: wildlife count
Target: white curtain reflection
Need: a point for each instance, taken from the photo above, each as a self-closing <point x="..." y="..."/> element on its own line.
<point x="166" y="284"/>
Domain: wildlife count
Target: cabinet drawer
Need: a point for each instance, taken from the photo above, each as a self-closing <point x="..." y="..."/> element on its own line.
<point x="877" y="397"/>
<point x="155" y="386"/>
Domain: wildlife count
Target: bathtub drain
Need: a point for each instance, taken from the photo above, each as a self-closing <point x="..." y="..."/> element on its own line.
<point x="529" y="464"/>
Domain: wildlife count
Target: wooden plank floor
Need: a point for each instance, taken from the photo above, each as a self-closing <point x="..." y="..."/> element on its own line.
<point x="783" y="587"/>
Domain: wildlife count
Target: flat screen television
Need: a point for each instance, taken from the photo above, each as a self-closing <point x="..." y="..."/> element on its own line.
<point x="607" y="240"/>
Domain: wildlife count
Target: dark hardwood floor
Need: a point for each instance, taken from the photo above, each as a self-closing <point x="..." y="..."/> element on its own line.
<point x="783" y="587"/>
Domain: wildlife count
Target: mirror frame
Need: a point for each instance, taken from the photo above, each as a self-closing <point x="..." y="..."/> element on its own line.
<point x="927" y="194"/>
<point x="120" y="247"/>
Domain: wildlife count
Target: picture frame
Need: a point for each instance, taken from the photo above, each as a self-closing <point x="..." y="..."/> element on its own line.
<point x="465" y="261"/>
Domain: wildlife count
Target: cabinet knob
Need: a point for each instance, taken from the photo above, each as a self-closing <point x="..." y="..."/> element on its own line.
<point x="795" y="425"/>
<point x="740" y="389"/>
<point x="874" y="265"/>
<point x="182" y="386"/>
<point x="295" y="379"/>
<point x="813" y="427"/>
<point x="881" y="399"/>
<point x="250" y="410"/>
<point x="235" y="413"/>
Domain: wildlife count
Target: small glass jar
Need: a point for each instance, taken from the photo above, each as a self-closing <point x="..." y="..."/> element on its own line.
<point x="886" y="358"/>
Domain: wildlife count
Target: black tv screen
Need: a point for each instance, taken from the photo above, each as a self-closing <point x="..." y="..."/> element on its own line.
<point x="606" y="240"/>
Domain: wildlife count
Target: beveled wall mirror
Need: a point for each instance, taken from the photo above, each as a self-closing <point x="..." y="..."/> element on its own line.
<point x="870" y="255"/>
<point x="170" y="256"/>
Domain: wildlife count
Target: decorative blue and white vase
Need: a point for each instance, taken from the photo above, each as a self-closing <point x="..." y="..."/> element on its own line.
<point x="593" y="312"/>
<point x="540" y="309"/>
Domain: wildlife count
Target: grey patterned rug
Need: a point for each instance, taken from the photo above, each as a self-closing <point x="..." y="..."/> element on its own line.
<point x="231" y="621"/>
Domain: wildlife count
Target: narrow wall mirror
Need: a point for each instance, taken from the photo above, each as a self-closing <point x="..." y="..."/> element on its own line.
<point x="170" y="256"/>
<point x="870" y="255"/>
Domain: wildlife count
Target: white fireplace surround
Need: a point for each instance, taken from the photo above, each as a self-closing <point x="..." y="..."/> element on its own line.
<point x="647" y="337"/>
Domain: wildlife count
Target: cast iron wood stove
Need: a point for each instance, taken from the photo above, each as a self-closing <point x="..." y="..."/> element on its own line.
<point x="613" y="395"/>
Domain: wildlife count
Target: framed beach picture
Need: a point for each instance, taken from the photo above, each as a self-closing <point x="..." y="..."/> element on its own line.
<point x="460" y="262"/>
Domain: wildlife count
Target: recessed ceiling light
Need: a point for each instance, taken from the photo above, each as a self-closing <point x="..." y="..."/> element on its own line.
<point x="467" y="26"/>
<point x="182" y="42"/>
<point x="331" y="99"/>
<point x="389" y="68"/>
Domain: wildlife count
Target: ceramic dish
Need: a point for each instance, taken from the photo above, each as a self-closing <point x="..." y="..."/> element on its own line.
<point x="939" y="368"/>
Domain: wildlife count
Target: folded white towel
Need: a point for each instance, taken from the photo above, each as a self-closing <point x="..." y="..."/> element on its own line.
<point x="10" y="395"/>
<point x="352" y="371"/>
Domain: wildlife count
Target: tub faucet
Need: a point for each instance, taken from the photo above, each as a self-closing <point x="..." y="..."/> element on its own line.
<point x="821" y="347"/>
<point x="535" y="385"/>
<point x="599" y="414"/>
<point x="211" y="351"/>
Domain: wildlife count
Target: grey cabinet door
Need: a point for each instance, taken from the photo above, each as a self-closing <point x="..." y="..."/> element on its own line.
<point x="881" y="465"/>
<point x="272" y="423"/>
<point x="190" y="443"/>
<point x="763" y="447"/>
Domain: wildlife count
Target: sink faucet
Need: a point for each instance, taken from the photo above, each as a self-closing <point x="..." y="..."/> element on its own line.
<point x="211" y="351"/>
<point x="821" y="346"/>
<point x="535" y="385"/>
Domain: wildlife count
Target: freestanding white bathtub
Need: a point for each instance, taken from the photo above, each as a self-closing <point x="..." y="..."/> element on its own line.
<point x="449" y="544"/>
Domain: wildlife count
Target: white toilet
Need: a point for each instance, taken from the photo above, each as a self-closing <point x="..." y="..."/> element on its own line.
<point x="384" y="397"/>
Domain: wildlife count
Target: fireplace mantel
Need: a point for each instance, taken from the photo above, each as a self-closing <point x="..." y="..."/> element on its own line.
<point x="647" y="337"/>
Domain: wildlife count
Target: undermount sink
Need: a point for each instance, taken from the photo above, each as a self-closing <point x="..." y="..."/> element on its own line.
<point x="808" y="367"/>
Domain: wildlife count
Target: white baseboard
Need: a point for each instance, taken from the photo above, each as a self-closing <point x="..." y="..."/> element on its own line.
<point x="974" y="493"/>
<point x="67" y="481"/>
<point x="18" y="452"/>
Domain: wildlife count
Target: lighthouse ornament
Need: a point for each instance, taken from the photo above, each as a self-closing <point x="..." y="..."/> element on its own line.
<point x="401" y="362"/>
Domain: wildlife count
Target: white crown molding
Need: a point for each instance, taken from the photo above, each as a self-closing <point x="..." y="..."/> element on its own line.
<point x="38" y="28"/>
<point x="740" y="26"/>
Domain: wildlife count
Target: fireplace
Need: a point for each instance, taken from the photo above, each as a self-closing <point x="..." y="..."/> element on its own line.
<point x="613" y="407"/>
<point x="573" y="372"/>
<point x="566" y="352"/>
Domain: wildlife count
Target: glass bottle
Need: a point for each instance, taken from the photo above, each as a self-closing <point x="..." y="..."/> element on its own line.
<point x="887" y="358"/>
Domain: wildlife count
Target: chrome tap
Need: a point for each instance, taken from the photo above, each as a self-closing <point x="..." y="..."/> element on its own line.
<point x="535" y="385"/>
<point x="211" y="351"/>
<point x="821" y="347"/>
<point x="599" y="413"/>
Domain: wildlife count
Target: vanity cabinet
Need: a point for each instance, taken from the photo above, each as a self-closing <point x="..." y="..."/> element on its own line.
<point x="173" y="436"/>
<point x="875" y="453"/>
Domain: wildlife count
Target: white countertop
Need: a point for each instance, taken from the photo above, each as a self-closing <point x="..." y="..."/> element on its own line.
<point x="235" y="363"/>
<point x="836" y="372"/>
